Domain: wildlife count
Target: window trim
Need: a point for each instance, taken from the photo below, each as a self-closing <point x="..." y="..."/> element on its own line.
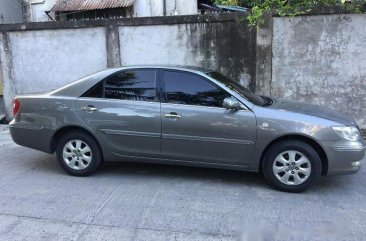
<point x="103" y="81"/>
<point x="163" y="100"/>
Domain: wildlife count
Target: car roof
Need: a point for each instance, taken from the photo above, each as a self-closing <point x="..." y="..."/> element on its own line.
<point x="81" y="85"/>
<point x="173" y="67"/>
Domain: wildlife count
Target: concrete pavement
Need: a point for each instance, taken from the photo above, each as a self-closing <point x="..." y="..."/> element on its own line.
<point x="126" y="201"/>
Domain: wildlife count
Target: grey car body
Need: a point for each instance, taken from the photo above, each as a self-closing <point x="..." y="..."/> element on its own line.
<point x="130" y="130"/>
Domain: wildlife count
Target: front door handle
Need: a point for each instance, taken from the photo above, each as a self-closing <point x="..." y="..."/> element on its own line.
<point x="89" y="108"/>
<point x="173" y="115"/>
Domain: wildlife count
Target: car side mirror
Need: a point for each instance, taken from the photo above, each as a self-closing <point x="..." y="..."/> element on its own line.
<point x="231" y="103"/>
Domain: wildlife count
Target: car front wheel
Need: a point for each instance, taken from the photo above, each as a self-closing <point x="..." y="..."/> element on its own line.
<point x="78" y="153"/>
<point x="291" y="166"/>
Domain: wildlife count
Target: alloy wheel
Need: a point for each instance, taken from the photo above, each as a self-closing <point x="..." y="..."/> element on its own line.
<point x="77" y="154"/>
<point x="291" y="167"/>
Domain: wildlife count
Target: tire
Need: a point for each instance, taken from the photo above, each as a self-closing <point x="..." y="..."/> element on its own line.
<point x="74" y="156"/>
<point x="278" y="166"/>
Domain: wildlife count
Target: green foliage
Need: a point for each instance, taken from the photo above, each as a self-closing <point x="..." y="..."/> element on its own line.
<point x="288" y="7"/>
<point x="227" y="2"/>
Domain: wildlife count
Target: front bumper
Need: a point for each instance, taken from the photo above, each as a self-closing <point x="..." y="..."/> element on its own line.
<point x="345" y="157"/>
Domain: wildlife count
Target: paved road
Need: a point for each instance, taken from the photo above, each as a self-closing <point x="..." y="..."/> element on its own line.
<point x="38" y="201"/>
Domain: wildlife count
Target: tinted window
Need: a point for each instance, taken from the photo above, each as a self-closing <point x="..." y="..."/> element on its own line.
<point x="131" y="85"/>
<point x="190" y="89"/>
<point x="249" y="95"/>
<point x="96" y="91"/>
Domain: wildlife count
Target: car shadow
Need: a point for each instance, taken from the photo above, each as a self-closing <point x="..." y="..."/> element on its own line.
<point x="338" y="183"/>
<point x="184" y="172"/>
<point x="223" y="176"/>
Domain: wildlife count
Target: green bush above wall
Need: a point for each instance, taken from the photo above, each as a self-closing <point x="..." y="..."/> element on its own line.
<point x="291" y="7"/>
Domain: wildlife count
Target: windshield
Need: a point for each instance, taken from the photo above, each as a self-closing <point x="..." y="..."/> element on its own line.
<point x="244" y="92"/>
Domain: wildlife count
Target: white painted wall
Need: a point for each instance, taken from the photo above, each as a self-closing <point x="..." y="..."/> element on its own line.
<point x="10" y="11"/>
<point x="180" y="7"/>
<point x="163" y="44"/>
<point x="186" y="7"/>
<point x="45" y="60"/>
<point x="148" y="8"/>
<point x="38" y="13"/>
<point x="321" y="59"/>
<point x="142" y="8"/>
<point x="151" y="8"/>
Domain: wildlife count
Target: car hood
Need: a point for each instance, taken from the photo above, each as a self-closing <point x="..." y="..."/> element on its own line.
<point x="312" y="110"/>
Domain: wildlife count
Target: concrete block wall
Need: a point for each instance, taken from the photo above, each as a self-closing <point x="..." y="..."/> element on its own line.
<point x="43" y="60"/>
<point x="228" y="47"/>
<point x="321" y="59"/>
<point x="10" y="11"/>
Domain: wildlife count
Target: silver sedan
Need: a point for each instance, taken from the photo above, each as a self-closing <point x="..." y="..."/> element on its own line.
<point x="186" y="116"/>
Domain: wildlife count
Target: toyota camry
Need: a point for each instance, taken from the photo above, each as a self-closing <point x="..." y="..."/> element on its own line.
<point x="186" y="116"/>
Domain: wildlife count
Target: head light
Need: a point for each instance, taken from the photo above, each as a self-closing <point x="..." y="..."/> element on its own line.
<point x="350" y="133"/>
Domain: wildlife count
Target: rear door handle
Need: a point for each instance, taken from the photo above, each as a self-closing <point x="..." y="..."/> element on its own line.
<point x="89" y="108"/>
<point x="172" y="115"/>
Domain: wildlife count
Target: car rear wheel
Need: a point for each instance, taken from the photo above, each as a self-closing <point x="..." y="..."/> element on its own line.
<point x="291" y="166"/>
<point x="78" y="153"/>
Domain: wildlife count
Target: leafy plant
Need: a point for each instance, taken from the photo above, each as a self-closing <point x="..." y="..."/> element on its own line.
<point x="227" y="2"/>
<point x="289" y="7"/>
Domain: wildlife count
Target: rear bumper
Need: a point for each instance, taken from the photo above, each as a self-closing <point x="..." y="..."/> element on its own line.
<point x="35" y="137"/>
<point x="345" y="157"/>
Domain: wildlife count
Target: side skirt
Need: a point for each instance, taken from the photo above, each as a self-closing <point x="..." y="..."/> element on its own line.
<point x="122" y="158"/>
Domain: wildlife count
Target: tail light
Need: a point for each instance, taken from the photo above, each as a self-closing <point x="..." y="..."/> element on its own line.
<point x="16" y="107"/>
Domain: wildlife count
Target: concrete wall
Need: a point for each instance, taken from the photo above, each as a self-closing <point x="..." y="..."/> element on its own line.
<point x="224" y="46"/>
<point x="37" y="57"/>
<point x="55" y="57"/>
<point x="321" y="59"/>
<point x="42" y="60"/>
<point x="10" y="11"/>
<point x="318" y="59"/>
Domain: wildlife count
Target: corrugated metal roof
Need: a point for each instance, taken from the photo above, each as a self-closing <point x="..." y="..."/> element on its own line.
<point x="81" y="5"/>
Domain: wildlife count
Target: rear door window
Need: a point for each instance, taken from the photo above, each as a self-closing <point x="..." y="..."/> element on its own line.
<point x="139" y="85"/>
<point x="131" y="85"/>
